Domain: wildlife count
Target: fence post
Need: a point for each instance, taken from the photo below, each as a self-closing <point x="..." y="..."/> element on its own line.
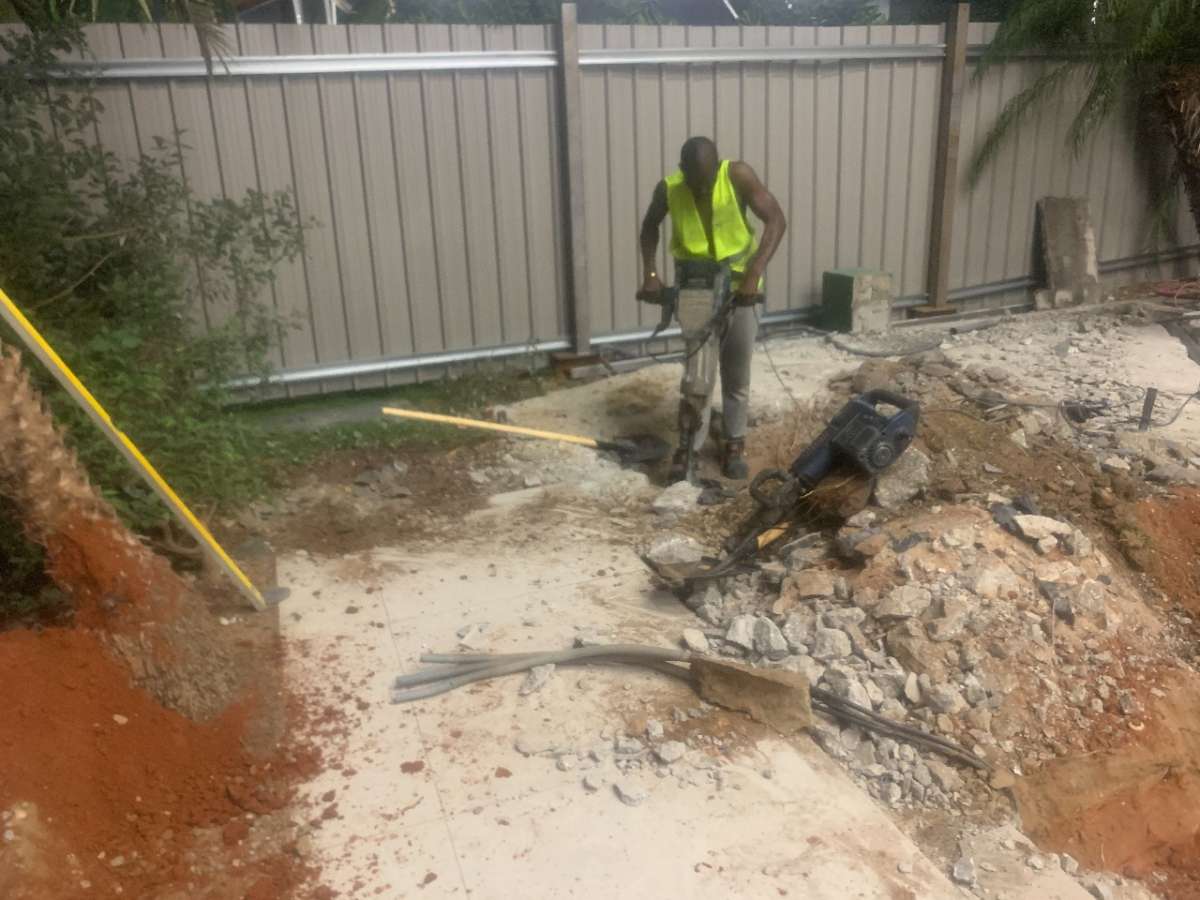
<point x="945" y="172"/>
<point x="572" y="149"/>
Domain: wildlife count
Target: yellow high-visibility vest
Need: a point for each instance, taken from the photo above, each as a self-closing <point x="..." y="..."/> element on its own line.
<point x="732" y="237"/>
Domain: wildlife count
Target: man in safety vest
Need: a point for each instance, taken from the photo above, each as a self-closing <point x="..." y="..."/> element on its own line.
<point x="707" y="199"/>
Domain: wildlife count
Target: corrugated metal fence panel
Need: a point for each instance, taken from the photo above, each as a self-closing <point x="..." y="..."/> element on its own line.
<point x="994" y="220"/>
<point x="436" y="195"/>
<point x="846" y="146"/>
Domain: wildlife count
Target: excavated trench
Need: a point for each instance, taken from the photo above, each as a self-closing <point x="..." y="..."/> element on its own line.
<point x="1134" y="811"/>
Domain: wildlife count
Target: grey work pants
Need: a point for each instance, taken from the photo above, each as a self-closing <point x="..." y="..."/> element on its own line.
<point x="737" y="348"/>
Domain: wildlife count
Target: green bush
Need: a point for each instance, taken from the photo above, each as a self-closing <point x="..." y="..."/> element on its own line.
<point x="112" y="259"/>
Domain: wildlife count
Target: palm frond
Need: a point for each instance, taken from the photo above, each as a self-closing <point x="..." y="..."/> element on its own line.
<point x="1106" y="83"/>
<point x="1013" y="114"/>
<point x="1033" y="25"/>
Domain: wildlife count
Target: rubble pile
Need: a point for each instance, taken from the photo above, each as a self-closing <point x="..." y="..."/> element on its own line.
<point x="1003" y="642"/>
<point x="1074" y="373"/>
<point x="983" y="620"/>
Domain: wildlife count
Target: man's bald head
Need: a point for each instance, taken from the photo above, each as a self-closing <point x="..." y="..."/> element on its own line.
<point x="699" y="162"/>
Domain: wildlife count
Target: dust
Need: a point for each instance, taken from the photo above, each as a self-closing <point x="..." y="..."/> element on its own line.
<point x="640" y="401"/>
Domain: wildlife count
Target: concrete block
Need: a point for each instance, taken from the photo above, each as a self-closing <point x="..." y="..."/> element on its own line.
<point x="1068" y="242"/>
<point x="856" y="300"/>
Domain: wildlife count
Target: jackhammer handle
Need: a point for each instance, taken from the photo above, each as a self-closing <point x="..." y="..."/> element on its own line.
<point x="891" y="398"/>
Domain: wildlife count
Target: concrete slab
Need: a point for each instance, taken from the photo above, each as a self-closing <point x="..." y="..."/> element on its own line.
<point x="438" y="788"/>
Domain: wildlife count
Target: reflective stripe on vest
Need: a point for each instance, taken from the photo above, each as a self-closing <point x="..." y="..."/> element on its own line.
<point x="732" y="236"/>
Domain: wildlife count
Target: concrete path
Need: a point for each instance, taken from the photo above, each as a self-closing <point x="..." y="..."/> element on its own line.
<point x="432" y="799"/>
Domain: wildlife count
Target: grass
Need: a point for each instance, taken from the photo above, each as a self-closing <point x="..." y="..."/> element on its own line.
<point x="293" y="433"/>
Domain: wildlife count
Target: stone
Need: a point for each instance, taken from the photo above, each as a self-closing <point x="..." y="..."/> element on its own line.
<point x="1078" y="544"/>
<point x="565" y="763"/>
<point x="1128" y="703"/>
<point x="913" y="650"/>
<point x="670" y="751"/>
<point x="805" y="665"/>
<point x="628" y="746"/>
<point x="1068" y="864"/>
<point x="592" y="782"/>
<point x="845" y="684"/>
<point x="811" y="583"/>
<point x="1019" y="438"/>
<point x="674" y="549"/>
<point x="798" y="630"/>
<point x="1173" y="473"/>
<point x="963" y="871"/>
<point x="1091" y="599"/>
<point x="893" y="709"/>
<point x="946" y="629"/>
<point x="654" y="730"/>
<point x="1035" y="528"/>
<point x="741" y="632"/>
<point x="695" y="640"/>
<point x="944" y="776"/>
<point x="1100" y="890"/>
<point x="945" y="698"/>
<point x="775" y="697"/>
<point x="912" y="690"/>
<point x="904" y="868"/>
<point x="532" y="745"/>
<point x="829" y="643"/>
<point x="843" y="617"/>
<point x="678" y="498"/>
<point x="629" y="793"/>
<point x="709" y="606"/>
<point x="120" y="719"/>
<point x="906" y="601"/>
<point x="993" y="580"/>
<point x="1036" y="863"/>
<point x="768" y="640"/>
<point x="535" y="679"/>
<point x="905" y="480"/>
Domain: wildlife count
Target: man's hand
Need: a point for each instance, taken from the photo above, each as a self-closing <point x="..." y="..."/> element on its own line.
<point x="747" y="290"/>
<point x="652" y="287"/>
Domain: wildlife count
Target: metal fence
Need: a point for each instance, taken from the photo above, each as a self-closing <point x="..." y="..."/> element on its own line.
<point x="434" y="161"/>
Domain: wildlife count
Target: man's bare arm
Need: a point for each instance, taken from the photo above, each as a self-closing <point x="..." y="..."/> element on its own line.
<point x="651" y="223"/>
<point x="767" y="208"/>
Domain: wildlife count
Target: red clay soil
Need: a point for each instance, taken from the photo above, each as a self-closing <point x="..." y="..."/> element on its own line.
<point x="1135" y="810"/>
<point x="102" y="785"/>
<point x="1166" y="543"/>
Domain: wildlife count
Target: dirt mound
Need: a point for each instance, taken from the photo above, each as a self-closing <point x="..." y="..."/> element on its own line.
<point x="106" y="791"/>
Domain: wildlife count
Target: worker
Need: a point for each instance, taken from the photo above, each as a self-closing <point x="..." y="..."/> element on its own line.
<point x="707" y="199"/>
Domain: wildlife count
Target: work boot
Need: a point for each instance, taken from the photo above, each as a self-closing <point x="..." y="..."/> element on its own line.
<point x="678" y="470"/>
<point x="733" y="461"/>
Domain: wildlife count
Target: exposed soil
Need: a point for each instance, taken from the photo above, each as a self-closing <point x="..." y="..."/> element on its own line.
<point x="107" y="791"/>
<point x="1163" y="541"/>
<point x="325" y="512"/>
<point x="1135" y="811"/>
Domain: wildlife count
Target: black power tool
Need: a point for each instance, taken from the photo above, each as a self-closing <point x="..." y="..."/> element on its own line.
<point x="859" y="437"/>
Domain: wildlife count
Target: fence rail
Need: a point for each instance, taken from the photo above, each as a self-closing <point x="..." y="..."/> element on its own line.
<point x="434" y="159"/>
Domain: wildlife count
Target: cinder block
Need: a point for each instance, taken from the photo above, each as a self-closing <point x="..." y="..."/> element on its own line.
<point x="856" y="300"/>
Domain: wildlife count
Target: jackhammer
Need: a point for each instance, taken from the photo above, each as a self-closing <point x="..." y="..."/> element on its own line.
<point x="702" y="299"/>
<point x="859" y="438"/>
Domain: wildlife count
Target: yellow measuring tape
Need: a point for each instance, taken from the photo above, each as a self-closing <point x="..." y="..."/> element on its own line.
<point x="90" y="405"/>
